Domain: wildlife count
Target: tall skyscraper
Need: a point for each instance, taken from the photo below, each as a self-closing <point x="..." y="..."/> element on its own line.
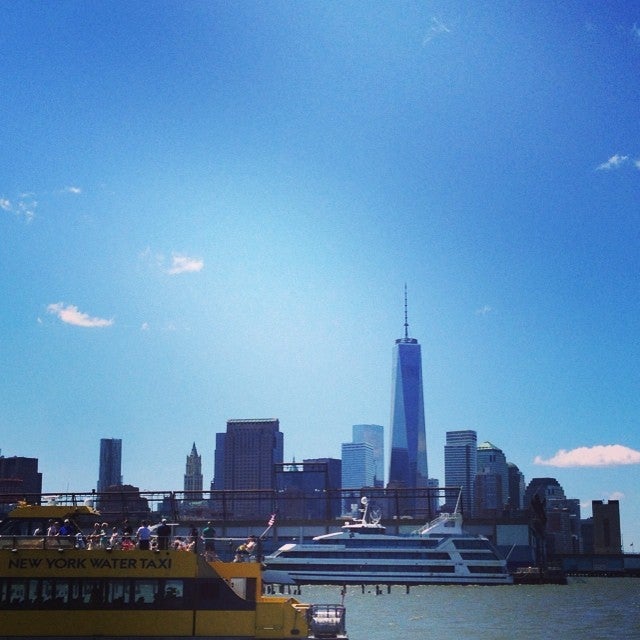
<point x="408" y="464"/>
<point x="492" y="479"/>
<point x="374" y="435"/>
<point x="358" y="470"/>
<point x="217" y="484"/>
<point x="516" y="486"/>
<point x="251" y="448"/>
<point x="110" y="472"/>
<point x="193" y="474"/>
<point x="460" y="466"/>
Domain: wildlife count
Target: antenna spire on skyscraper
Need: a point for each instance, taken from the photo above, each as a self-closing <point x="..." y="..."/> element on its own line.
<point x="406" y="321"/>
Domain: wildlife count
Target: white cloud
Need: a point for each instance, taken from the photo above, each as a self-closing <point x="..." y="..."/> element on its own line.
<point x="613" y="162"/>
<point x="436" y="28"/>
<point x="609" y="455"/>
<point x="74" y="190"/>
<point x="184" y="264"/>
<point x="71" y="315"/>
<point x="637" y="164"/>
<point x="24" y="207"/>
<point x="483" y="311"/>
<point x="616" y="495"/>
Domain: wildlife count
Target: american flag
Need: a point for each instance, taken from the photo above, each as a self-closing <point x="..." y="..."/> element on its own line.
<point x="272" y="520"/>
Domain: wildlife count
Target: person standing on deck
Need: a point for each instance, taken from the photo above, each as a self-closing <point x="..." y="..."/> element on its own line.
<point x="144" y="536"/>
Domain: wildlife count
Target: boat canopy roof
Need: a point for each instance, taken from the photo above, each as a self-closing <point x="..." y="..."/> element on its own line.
<point x="50" y="511"/>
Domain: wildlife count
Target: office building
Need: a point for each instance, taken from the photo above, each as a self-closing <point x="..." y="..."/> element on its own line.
<point x="20" y="478"/>
<point x="562" y="531"/>
<point x="374" y="435"/>
<point x="516" y="487"/>
<point x="309" y="490"/>
<point x="492" y="480"/>
<point x="217" y="484"/>
<point x="251" y="449"/>
<point x="110" y="470"/>
<point x="460" y="468"/>
<point x="332" y="482"/>
<point x="607" y="537"/>
<point x="547" y="489"/>
<point x="193" y="475"/>
<point x="408" y="463"/>
<point x="358" y="470"/>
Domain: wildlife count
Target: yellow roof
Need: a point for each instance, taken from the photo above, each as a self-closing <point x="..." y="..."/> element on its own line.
<point x="51" y="511"/>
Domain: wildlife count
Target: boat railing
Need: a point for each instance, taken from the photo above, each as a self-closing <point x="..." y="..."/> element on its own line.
<point x="228" y="549"/>
<point x="327" y="620"/>
<point x="15" y="542"/>
<point x="443" y="522"/>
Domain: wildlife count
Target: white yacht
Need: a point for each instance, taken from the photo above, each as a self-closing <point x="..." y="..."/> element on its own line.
<point x="440" y="552"/>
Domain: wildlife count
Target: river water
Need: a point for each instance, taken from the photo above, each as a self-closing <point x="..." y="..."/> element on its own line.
<point x="585" y="609"/>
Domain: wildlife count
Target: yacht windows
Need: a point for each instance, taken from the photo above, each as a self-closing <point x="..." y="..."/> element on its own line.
<point x="471" y="543"/>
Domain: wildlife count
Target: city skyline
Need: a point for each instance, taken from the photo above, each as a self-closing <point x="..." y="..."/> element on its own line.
<point x="210" y="210"/>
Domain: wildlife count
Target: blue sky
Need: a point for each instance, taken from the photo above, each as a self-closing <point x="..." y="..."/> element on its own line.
<point x="209" y="210"/>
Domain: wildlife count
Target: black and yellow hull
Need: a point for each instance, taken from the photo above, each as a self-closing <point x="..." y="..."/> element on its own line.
<point x="76" y="593"/>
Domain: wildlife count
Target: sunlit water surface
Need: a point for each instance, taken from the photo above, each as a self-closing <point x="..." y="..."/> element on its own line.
<point x="585" y="609"/>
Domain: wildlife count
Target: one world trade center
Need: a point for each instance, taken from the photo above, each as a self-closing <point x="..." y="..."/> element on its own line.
<point x="408" y="466"/>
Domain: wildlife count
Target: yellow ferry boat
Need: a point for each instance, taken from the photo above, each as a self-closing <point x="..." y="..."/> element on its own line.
<point x="52" y="587"/>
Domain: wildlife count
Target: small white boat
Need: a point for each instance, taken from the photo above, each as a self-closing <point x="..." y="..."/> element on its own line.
<point x="440" y="552"/>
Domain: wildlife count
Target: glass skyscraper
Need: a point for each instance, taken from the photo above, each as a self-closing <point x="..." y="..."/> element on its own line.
<point x="460" y="467"/>
<point x="374" y="435"/>
<point x="110" y="473"/>
<point x="358" y="471"/>
<point x="408" y="464"/>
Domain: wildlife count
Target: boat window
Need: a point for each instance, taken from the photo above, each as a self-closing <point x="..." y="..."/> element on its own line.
<point x="17" y="593"/>
<point x="146" y="591"/>
<point x="60" y="594"/>
<point x="118" y="592"/>
<point x="75" y="592"/>
<point x="42" y="593"/>
<point x="487" y="569"/>
<point x="92" y="592"/>
<point x="471" y="544"/>
<point x="478" y="555"/>
<point x="174" y="590"/>
<point x="33" y="592"/>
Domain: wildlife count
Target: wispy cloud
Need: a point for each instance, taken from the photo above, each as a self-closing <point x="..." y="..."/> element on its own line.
<point x="73" y="190"/>
<point x="635" y="31"/>
<point x="483" y="311"/>
<point x="613" y="162"/>
<point x="609" y="455"/>
<point x="179" y="262"/>
<point x="24" y="206"/>
<point x="184" y="264"/>
<point x="436" y="28"/>
<point x="70" y="314"/>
